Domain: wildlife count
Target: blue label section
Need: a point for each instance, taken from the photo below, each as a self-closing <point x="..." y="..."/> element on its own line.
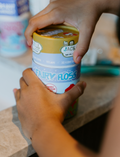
<point x="53" y="59"/>
<point x="13" y="7"/>
<point x="57" y="75"/>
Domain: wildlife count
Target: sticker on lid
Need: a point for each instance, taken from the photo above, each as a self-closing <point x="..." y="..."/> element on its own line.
<point x="70" y="34"/>
<point x="67" y="51"/>
<point x="37" y="47"/>
<point x="54" y="32"/>
<point x="57" y="33"/>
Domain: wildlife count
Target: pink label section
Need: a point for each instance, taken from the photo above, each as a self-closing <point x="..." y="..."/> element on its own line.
<point x="12" y="39"/>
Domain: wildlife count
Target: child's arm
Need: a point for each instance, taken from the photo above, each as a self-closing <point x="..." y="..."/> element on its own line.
<point x="111" y="143"/>
<point x="83" y="14"/>
<point x="41" y="113"/>
<point x="52" y="140"/>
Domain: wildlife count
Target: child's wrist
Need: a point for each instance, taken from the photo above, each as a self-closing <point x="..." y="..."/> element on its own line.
<point x="40" y="130"/>
<point x="44" y="134"/>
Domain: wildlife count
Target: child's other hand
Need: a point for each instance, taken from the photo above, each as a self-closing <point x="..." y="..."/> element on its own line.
<point x="83" y="14"/>
<point x="37" y="106"/>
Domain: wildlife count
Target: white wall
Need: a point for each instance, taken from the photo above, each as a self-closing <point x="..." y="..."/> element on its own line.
<point x="9" y="79"/>
<point x="37" y="5"/>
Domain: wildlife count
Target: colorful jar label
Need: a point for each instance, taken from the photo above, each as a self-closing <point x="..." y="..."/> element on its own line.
<point x="57" y="79"/>
<point x="64" y="58"/>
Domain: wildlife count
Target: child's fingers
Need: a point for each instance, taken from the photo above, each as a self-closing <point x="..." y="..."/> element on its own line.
<point x="38" y="23"/>
<point x="29" y="38"/>
<point x="23" y="84"/>
<point x="86" y="32"/>
<point x="74" y="93"/>
<point x="16" y="94"/>
<point x="30" y="77"/>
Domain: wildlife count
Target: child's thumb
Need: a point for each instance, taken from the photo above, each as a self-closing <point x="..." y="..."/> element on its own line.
<point x="83" y="44"/>
<point x="75" y="92"/>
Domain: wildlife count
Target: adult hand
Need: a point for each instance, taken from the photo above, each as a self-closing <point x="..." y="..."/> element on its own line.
<point x="37" y="106"/>
<point x="82" y="14"/>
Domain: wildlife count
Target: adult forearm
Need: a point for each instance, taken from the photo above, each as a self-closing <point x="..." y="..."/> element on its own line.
<point x="52" y="140"/>
<point x="108" y="6"/>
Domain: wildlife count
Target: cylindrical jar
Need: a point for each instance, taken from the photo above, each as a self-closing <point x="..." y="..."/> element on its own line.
<point x="53" y="62"/>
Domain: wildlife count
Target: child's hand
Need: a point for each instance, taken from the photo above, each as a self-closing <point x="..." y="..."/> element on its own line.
<point x="37" y="106"/>
<point x="83" y="14"/>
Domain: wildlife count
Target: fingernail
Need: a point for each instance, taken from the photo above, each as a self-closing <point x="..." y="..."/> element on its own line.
<point x="84" y="84"/>
<point x="78" y="59"/>
<point x="14" y="91"/>
<point x="28" y="43"/>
